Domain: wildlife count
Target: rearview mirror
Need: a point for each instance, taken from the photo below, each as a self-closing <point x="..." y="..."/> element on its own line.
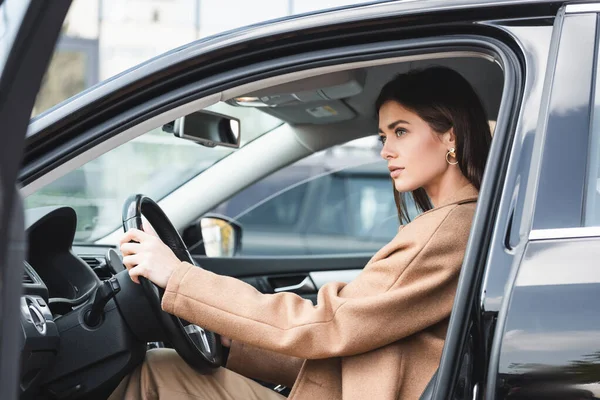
<point x="207" y="128"/>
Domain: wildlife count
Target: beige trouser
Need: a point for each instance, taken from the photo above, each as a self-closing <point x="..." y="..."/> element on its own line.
<point x="164" y="375"/>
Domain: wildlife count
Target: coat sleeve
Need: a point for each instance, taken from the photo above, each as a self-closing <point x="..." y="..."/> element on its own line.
<point x="408" y="290"/>
<point x="265" y="365"/>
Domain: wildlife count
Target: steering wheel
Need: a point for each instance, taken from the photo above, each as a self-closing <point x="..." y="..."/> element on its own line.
<point x="200" y="348"/>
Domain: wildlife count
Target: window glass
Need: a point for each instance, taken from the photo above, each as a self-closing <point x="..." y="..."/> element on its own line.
<point x="592" y="201"/>
<point x="592" y="198"/>
<point x="279" y="212"/>
<point x="372" y="206"/>
<point x="337" y="201"/>
<point x="332" y="215"/>
<point x="155" y="164"/>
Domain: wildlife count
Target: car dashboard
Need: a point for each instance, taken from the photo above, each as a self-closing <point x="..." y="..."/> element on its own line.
<point x="62" y="356"/>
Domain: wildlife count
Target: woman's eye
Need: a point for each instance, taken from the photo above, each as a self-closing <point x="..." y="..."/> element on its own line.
<point x="400" y="132"/>
<point x="382" y="139"/>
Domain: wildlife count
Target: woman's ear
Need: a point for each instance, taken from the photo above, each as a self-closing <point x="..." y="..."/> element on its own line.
<point x="449" y="138"/>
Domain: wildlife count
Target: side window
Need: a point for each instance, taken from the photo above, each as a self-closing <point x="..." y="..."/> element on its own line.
<point x="338" y="201"/>
<point x="592" y="195"/>
<point x="592" y="208"/>
<point x="331" y="217"/>
<point x="373" y="210"/>
<point x="282" y="211"/>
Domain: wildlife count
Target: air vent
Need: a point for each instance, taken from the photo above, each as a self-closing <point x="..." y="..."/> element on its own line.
<point x="27" y="279"/>
<point x="98" y="265"/>
<point x="93" y="262"/>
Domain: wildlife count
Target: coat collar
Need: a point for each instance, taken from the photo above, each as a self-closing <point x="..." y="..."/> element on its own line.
<point x="466" y="194"/>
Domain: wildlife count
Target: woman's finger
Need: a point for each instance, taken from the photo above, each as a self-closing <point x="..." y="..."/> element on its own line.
<point x="148" y="227"/>
<point x="134" y="235"/>
<point x="130" y="248"/>
<point x="136" y="272"/>
<point x="130" y="261"/>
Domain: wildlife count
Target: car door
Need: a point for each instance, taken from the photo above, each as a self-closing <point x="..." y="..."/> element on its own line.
<point x="529" y="331"/>
<point x="546" y="343"/>
<point x="469" y="364"/>
<point x="29" y="32"/>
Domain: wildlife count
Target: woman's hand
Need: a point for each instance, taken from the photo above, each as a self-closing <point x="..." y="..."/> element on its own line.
<point x="225" y="341"/>
<point x="147" y="227"/>
<point x="149" y="257"/>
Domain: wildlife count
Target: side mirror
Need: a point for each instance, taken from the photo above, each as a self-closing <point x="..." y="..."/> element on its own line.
<point x="221" y="238"/>
<point x="214" y="236"/>
<point x="207" y="128"/>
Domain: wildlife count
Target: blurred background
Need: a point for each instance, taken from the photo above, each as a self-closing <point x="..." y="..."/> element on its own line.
<point x="101" y="38"/>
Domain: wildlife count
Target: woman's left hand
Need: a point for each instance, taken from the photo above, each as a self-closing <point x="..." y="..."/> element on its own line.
<point x="149" y="257"/>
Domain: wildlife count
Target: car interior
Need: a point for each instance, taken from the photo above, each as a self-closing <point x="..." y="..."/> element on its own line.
<point x="86" y="325"/>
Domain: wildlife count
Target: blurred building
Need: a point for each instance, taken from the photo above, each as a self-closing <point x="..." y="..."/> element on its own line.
<point x="102" y="38"/>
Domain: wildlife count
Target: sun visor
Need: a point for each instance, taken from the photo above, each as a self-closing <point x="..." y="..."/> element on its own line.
<point x="314" y="113"/>
<point x="317" y="89"/>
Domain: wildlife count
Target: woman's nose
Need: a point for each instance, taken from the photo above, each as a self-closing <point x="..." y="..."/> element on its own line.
<point x="386" y="152"/>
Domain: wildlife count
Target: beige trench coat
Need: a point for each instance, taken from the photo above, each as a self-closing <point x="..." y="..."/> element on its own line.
<point x="378" y="337"/>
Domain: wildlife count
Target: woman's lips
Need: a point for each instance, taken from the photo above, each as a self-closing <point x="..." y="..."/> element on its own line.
<point x="395" y="171"/>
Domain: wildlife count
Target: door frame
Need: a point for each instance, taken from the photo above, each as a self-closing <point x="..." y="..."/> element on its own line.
<point x="20" y="80"/>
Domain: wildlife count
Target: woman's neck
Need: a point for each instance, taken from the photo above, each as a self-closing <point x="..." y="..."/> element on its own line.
<point x="445" y="186"/>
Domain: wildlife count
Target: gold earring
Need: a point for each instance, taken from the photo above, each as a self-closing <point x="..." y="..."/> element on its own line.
<point x="451" y="153"/>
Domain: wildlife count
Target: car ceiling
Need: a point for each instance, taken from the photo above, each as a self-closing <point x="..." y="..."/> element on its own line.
<point x="485" y="76"/>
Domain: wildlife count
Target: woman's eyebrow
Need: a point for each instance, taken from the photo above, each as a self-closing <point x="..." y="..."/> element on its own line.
<point x="393" y="124"/>
<point x="400" y="121"/>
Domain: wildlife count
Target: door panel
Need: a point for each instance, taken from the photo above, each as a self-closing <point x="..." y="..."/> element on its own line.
<point x="551" y="340"/>
<point x="269" y="274"/>
<point x="251" y="266"/>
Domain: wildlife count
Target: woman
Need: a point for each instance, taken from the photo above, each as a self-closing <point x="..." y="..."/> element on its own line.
<point x="378" y="337"/>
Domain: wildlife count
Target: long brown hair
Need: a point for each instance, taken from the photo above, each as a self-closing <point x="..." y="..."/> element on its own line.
<point x="444" y="99"/>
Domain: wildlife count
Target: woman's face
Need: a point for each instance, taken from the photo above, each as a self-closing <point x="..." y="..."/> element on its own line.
<point x="415" y="153"/>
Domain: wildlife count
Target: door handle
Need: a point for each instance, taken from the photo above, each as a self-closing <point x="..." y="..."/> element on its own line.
<point x="306" y="286"/>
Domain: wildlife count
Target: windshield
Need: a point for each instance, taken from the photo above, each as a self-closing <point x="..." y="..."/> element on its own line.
<point x="155" y="164"/>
